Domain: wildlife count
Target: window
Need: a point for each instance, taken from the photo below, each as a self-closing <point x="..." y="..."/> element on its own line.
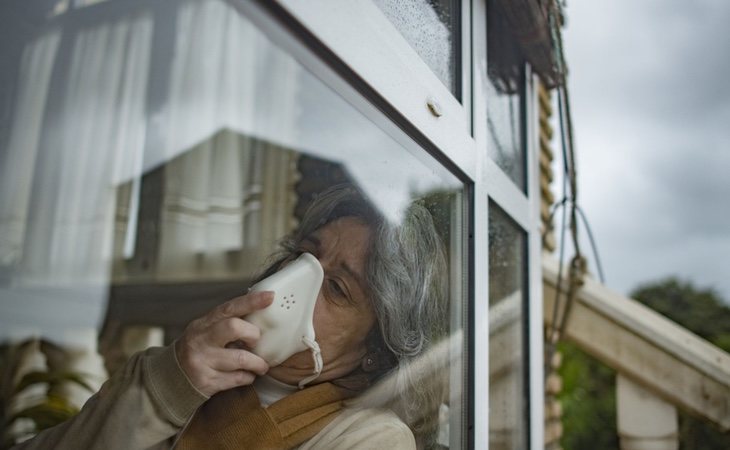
<point x="507" y="320"/>
<point x="155" y="155"/>
<point x="505" y="134"/>
<point x="432" y="29"/>
<point x="505" y="97"/>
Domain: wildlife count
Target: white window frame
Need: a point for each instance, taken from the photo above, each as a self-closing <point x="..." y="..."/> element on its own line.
<point x="357" y="35"/>
<point x="524" y="208"/>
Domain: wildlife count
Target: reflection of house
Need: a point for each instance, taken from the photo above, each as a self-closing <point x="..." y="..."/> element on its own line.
<point x="205" y="223"/>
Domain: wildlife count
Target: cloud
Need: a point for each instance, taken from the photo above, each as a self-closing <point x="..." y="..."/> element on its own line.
<point x="651" y="110"/>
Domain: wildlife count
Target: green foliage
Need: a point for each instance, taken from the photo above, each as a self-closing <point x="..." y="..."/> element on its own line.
<point x="589" y="403"/>
<point x="703" y="312"/>
<point x="588" y="397"/>
<point x="699" y="310"/>
<point x="50" y="408"/>
<point x="50" y="412"/>
<point x="53" y="379"/>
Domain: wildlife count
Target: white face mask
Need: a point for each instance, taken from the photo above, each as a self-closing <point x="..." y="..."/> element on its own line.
<point x="287" y="324"/>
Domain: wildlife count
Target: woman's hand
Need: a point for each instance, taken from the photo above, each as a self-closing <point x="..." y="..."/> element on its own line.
<point x="209" y="351"/>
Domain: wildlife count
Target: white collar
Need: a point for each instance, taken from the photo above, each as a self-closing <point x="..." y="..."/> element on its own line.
<point x="270" y="390"/>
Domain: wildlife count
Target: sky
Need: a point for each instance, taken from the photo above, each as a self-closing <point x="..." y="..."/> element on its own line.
<point x="649" y="84"/>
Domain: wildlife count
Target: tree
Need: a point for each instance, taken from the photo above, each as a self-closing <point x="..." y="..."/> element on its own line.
<point x="589" y="393"/>
<point x="589" y="402"/>
<point x="703" y="312"/>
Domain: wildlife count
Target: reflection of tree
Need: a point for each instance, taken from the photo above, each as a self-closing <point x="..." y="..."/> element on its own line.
<point x="507" y="346"/>
<point x="317" y="174"/>
<point x="441" y="205"/>
<point x="506" y="256"/>
<point x="504" y="57"/>
<point x="589" y="386"/>
<point x="37" y="389"/>
<point x="446" y="212"/>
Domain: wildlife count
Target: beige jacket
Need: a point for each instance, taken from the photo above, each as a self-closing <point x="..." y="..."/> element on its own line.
<point x="148" y="402"/>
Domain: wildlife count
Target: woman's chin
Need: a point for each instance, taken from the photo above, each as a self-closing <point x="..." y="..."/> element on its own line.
<point x="295" y="368"/>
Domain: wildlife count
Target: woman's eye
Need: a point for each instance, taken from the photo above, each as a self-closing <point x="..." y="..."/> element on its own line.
<point x="338" y="293"/>
<point x="336" y="288"/>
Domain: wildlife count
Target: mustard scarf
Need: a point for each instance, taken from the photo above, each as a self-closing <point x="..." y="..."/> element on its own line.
<point x="235" y="419"/>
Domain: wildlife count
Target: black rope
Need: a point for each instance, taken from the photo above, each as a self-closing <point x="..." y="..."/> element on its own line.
<point x="599" y="266"/>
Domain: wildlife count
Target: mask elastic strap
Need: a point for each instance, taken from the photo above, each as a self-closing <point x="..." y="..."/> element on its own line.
<point x="316" y="356"/>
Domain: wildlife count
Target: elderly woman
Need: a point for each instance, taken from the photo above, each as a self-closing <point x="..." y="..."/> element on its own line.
<point x="380" y="305"/>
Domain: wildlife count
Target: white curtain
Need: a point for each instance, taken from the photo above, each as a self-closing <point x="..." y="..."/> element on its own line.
<point x="231" y="98"/>
<point x="78" y="122"/>
<point x="83" y="134"/>
<point x="18" y="160"/>
<point x="226" y="202"/>
<point x="88" y="127"/>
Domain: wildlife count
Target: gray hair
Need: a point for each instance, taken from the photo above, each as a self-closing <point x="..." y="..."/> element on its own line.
<point x="406" y="277"/>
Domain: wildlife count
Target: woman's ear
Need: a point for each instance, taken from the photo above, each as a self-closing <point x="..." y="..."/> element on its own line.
<point x="377" y="357"/>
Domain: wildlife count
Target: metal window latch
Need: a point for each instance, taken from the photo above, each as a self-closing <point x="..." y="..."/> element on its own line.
<point x="434" y="107"/>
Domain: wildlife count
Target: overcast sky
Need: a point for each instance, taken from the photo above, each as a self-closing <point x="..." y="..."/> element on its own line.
<point x="650" y="97"/>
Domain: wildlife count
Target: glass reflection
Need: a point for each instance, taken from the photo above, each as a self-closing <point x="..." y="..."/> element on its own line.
<point x="431" y="27"/>
<point x="507" y="318"/>
<point x="505" y="97"/>
<point x="155" y="156"/>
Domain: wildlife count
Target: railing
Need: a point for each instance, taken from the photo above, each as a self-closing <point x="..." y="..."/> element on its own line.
<point x="661" y="366"/>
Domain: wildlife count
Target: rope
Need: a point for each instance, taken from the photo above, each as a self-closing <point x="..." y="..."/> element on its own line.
<point x="569" y="202"/>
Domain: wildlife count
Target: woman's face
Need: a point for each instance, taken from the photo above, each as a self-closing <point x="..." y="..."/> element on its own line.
<point x="343" y="314"/>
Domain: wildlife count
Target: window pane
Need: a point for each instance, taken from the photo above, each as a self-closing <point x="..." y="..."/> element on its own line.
<point x="505" y="97"/>
<point x="155" y="155"/>
<point x="507" y="319"/>
<point x="431" y="27"/>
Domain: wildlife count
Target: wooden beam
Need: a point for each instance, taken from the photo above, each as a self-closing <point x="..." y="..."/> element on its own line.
<point x="644" y="346"/>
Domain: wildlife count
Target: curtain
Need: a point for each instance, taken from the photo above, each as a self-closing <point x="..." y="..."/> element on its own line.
<point x="191" y="87"/>
<point x="18" y="160"/>
<point x="232" y="96"/>
<point x="88" y="127"/>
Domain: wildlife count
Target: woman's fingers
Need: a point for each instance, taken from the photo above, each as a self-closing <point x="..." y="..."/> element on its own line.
<point x="234" y="329"/>
<point x="232" y="359"/>
<point x="239" y="306"/>
<point x="201" y="350"/>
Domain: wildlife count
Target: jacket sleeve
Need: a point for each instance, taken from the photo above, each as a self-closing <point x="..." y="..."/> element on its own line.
<point x="142" y="406"/>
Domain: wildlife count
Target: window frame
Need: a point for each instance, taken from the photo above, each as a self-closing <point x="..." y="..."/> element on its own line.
<point x="316" y="57"/>
<point x="524" y="208"/>
<point x="398" y="92"/>
<point x="322" y="35"/>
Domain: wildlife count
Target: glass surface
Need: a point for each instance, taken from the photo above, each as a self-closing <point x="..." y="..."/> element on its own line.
<point x="153" y="155"/>
<point x="507" y="319"/>
<point x="505" y="102"/>
<point x="431" y="27"/>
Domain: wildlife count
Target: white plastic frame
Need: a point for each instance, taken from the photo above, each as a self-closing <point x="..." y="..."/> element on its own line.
<point x="362" y="38"/>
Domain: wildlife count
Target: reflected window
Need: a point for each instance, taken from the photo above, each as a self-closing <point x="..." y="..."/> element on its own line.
<point x="505" y="97"/>
<point x="155" y="157"/>
<point x="432" y="28"/>
<point x="508" y="406"/>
